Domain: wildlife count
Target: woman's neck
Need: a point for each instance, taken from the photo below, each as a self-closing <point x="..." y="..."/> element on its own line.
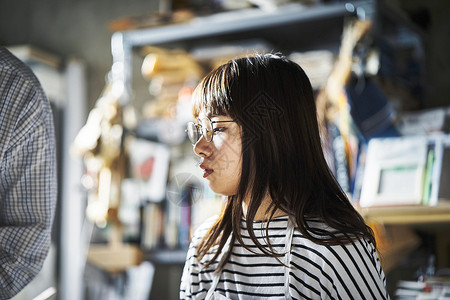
<point x="262" y="213"/>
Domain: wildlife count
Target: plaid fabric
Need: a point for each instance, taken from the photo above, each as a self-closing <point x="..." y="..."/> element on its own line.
<point x="28" y="183"/>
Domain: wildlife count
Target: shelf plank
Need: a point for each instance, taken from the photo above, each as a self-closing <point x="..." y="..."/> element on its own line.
<point x="418" y="214"/>
<point x="234" y="22"/>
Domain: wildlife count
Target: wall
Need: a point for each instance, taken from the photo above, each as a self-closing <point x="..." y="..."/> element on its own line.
<point x="432" y="16"/>
<point x="70" y="28"/>
<point x="438" y="51"/>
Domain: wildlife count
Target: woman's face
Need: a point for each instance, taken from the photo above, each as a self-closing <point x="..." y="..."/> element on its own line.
<point x="221" y="158"/>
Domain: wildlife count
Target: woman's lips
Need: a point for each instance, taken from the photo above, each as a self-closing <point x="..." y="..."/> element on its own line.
<point x="206" y="171"/>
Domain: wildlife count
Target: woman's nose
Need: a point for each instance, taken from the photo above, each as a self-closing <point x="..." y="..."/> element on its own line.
<point x="202" y="148"/>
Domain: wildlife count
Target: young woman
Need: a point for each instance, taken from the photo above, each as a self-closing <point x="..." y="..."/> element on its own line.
<point x="287" y="230"/>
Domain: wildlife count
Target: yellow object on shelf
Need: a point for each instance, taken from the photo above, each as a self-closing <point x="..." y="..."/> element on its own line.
<point x="114" y="259"/>
<point x="115" y="256"/>
<point x="394" y="242"/>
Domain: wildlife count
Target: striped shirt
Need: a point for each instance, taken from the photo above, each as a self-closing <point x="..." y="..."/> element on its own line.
<point x="351" y="271"/>
<point x="27" y="175"/>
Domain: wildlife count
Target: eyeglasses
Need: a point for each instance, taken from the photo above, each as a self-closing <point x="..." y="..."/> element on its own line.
<point x="204" y="127"/>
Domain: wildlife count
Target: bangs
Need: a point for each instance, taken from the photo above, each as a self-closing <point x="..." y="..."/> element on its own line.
<point x="213" y="94"/>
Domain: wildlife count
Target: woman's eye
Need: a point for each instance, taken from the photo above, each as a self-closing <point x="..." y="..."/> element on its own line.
<point x="219" y="129"/>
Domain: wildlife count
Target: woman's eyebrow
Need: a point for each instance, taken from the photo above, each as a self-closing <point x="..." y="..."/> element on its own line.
<point x="211" y="115"/>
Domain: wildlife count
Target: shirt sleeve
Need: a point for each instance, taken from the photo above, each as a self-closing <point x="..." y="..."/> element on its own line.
<point x="196" y="280"/>
<point x="350" y="271"/>
<point x="27" y="181"/>
<point x="187" y="289"/>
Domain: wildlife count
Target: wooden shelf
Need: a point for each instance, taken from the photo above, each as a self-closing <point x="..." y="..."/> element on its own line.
<point x="408" y="215"/>
<point x="231" y="22"/>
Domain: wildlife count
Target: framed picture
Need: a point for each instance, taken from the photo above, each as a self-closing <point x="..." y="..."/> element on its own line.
<point x="395" y="171"/>
<point x="149" y="162"/>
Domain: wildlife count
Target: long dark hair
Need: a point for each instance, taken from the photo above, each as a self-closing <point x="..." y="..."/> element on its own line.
<point x="271" y="98"/>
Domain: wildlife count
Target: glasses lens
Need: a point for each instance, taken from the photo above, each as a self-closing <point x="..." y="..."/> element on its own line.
<point x="207" y="129"/>
<point x="193" y="132"/>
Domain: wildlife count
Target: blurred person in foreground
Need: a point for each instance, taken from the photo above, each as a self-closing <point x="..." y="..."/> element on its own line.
<point x="287" y="230"/>
<point x="28" y="183"/>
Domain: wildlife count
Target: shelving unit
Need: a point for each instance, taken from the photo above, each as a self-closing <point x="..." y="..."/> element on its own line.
<point x="295" y="20"/>
<point x="289" y="28"/>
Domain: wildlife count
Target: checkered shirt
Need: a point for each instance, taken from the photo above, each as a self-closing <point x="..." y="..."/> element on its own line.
<point x="28" y="183"/>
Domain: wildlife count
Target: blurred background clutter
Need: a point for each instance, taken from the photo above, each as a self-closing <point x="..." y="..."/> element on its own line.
<point x="120" y="77"/>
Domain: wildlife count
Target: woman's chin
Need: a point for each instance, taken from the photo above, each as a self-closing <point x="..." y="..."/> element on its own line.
<point x="220" y="190"/>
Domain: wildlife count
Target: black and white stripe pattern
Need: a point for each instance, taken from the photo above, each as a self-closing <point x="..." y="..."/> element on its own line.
<point x="318" y="272"/>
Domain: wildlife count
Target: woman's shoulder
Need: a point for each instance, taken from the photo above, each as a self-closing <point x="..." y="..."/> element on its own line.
<point x="300" y="242"/>
<point x="361" y="247"/>
<point x="203" y="229"/>
<point x="349" y="269"/>
<point x="349" y="256"/>
<point x="200" y="232"/>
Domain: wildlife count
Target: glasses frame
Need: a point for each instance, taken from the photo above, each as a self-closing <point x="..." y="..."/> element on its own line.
<point x="203" y="130"/>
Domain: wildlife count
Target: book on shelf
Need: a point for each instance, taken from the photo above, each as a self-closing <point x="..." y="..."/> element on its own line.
<point x="441" y="175"/>
<point x="152" y="226"/>
<point x="427" y="182"/>
<point x="168" y="225"/>
<point x="340" y="163"/>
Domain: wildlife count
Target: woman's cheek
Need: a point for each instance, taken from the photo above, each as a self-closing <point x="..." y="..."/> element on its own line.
<point x="219" y="141"/>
